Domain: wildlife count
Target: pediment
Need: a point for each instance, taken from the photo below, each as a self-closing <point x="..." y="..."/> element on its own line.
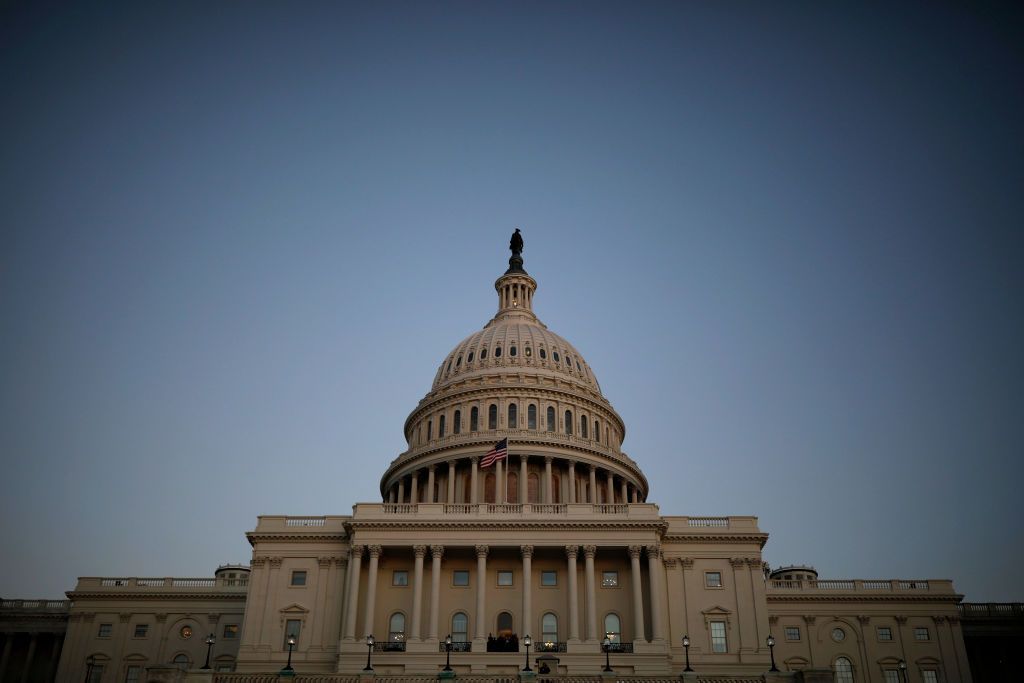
<point x="294" y="608"/>
<point x="717" y="610"/>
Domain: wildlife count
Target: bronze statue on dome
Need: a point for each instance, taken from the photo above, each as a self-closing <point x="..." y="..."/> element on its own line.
<point x="516" y="243"/>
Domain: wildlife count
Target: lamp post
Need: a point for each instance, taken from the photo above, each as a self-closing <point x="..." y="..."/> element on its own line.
<point x="527" y="641"/>
<point x="369" y="651"/>
<point x="606" y="645"/>
<point x="288" y="670"/>
<point x="771" y="649"/>
<point x="447" y="653"/>
<point x="903" y="670"/>
<point x="210" y="640"/>
<point x="90" y="662"/>
<point x="686" y="647"/>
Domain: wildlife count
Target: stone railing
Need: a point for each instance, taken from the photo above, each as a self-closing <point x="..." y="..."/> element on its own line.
<point x="165" y="584"/>
<point x="712" y="522"/>
<point x="473" y="678"/>
<point x="988" y="610"/>
<point x="59" y="605"/>
<point x="523" y="511"/>
<point x="860" y="585"/>
<point x="326" y="524"/>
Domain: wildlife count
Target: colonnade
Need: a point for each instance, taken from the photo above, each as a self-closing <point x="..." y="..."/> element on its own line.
<point x="479" y="618"/>
<point x="23" y="672"/>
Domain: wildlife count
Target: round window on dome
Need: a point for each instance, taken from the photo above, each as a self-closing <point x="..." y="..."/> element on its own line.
<point x="483" y="354"/>
<point x="543" y="354"/>
<point x="554" y="354"/>
<point x="497" y="352"/>
<point x="512" y="351"/>
<point x="528" y="352"/>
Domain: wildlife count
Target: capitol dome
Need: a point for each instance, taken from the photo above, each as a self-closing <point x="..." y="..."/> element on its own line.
<point x="517" y="380"/>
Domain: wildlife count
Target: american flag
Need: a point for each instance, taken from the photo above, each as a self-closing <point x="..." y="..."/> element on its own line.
<point x="499" y="452"/>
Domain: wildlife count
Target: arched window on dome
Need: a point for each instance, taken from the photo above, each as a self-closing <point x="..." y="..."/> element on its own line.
<point x="551" y="419"/>
<point x="512" y="487"/>
<point x="449" y="368"/>
<point x="583" y="426"/>
<point x="597" y="431"/>
<point x="844" y="670"/>
<point x="533" y="487"/>
<point x="469" y="358"/>
<point x="497" y="352"/>
<point x="513" y="416"/>
<point x="483" y="354"/>
<point x="568" y="422"/>
<point x="474" y="419"/>
<point x="440" y="427"/>
<point x="512" y="351"/>
<point x="457" y="422"/>
<point x="489" y="488"/>
<point x="531" y="417"/>
<point x="492" y="417"/>
<point x="543" y="354"/>
<point x="527" y="351"/>
<point x="554" y="354"/>
<point x="458" y="361"/>
<point x="430" y="430"/>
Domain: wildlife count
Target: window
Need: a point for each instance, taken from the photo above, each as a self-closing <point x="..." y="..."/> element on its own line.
<point x="713" y="579"/>
<point x="430" y="430"/>
<point x="792" y="633"/>
<point x="105" y="631"/>
<point x="512" y="351"/>
<point x="497" y="352"/>
<point x="549" y="578"/>
<point x="400" y="577"/>
<point x="613" y="628"/>
<point x="132" y="674"/>
<point x="718" y="641"/>
<point x="568" y="363"/>
<point x="554" y="354"/>
<point x="844" y="670"/>
<point x="460" y="577"/>
<point x="884" y="633"/>
<point x="921" y="633"/>
<point x="528" y="351"/>
<point x="440" y="426"/>
<point x="492" y="417"/>
<point x="180" y="662"/>
<point x="891" y="676"/>
<point x="583" y="426"/>
<point x="457" y="422"/>
<point x="185" y="632"/>
<point x="292" y="628"/>
<point x="504" y="624"/>
<point x="483" y="354"/>
<point x="458" y="361"/>
<point x="299" y="578"/>
<point x="568" y="422"/>
<point x="549" y="628"/>
<point x="610" y="579"/>
<point x="531" y="417"/>
<point x="474" y="419"/>
<point x="513" y="416"/>
<point x="396" y="628"/>
<point x="469" y="358"/>
<point x="838" y="635"/>
<point x="505" y="578"/>
<point x="930" y="676"/>
<point x="97" y="674"/>
<point x="543" y="354"/>
<point x="230" y="631"/>
<point x="597" y="431"/>
<point x="141" y="630"/>
<point x="551" y="419"/>
<point x="460" y="628"/>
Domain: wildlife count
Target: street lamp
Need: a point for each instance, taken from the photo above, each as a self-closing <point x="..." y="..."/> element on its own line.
<point x="90" y="662"/>
<point x="527" y="641"/>
<point x="369" y="651"/>
<point x="210" y="640"/>
<point x="771" y="648"/>
<point x="903" y="670"/>
<point x="447" y="653"/>
<point x="606" y="645"/>
<point x="288" y="670"/>
<point x="686" y="647"/>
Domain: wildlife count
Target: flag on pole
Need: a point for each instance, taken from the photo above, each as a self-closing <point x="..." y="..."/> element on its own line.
<point x="499" y="452"/>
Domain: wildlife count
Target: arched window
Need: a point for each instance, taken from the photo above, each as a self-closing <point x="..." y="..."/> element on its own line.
<point x="513" y="416"/>
<point x="543" y="354"/>
<point x="528" y="352"/>
<point x="460" y="628"/>
<point x="531" y="417"/>
<point x="430" y="430"/>
<point x="583" y="426"/>
<point x="513" y="487"/>
<point x="613" y="628"/>
<point x="504" y="624"/>
<point x="396" y="628"/>
<point x="449" y="368"/>
<point x="458" y="361"/>
<point x="474" y="419"/>
<point x="533" y="487"/>
<point x="483" y="354"/>
<point x="440" y="426"/>
<point x="568" y="422"/>
<point x="180" y="662"/>
<point x="489" y="488"/>
<point x="100" y="663"/>
<point x="492" y="417"/>
<point x="597" y="431"/>
<point x="497" y="352"/>
<point x="844" y="670"/>
<point x="567" y="363"/>
<point x="551" y="419"/>
<point x="469" y="358"/>
<point x="457" y="422"/>
<point x="549" y="628"/>
<point x="554" y="354"/>
<point x="512" y="351"/>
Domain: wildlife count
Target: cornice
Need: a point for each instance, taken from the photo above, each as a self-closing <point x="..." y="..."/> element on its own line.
<point x="653" y="525"/>
<point x="298" y="537"/>
<point x="867" y="597"/>
<point x="686" y="539"/>
<point x="112" y="595"/>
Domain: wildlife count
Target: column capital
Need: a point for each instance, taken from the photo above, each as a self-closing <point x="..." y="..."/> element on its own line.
<point x="548" y="459"/>
<point x="376" y="551"/>
<point x="276" y="562"/>
<point x="901" y="618"/>
<point x="670" y="562"/>
<point x="475" y="459"/>
<point x="810" y="619"/>
<point x="953" y="619"/>
<point x="437" y="551"/>
<point x="939" y="619"/>
<point x="738" y="562"/>
<point x="589" y="551"/>
<point x="324" y="560"/>
<point x="864" y="619"/>
<point x="591" y="469"/>
<point x="526" y="550"/>
<point x="773" y="619"/>
<point x="755" y="563"/>
<point x="482" y="550"/>
<point x="686" y="562"/>
<point x="452" y="463"/>
<point x="634" y="551"/>
<point x="431" y="467"/>
<point x="653" y="551"/>
<point x="571" y="551"/>
<point x="340" y="561"/>
<point x="419" y="550"/>
<point x="258" y="561"/>
<point x="357" y="551"/>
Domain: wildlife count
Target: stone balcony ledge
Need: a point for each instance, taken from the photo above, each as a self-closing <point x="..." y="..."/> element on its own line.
<point x="131" y="584"/>
<point x="931" y="586"/>
<point x="520" y="512"/>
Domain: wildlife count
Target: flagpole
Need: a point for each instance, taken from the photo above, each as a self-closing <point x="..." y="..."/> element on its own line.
<point x="506" y="470"/>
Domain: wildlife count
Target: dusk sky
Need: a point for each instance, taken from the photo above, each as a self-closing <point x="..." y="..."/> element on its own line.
<point x="239" y="238"/>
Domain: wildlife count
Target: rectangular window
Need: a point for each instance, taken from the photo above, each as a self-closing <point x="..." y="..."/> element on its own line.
<point x="106" y="630"/>
<point x="504" y="578"/>
<point x="400" y="577"/>
<point x="230" y="631"/>
<point x="884" y="633"/>
<point x="141" y="630"/>
<point x="610" y="579"/>
<point x="892" y="676"/>
<point x="132" y="674"/>
<point x="718" y="642"/>
<point x="713" y="579"/>
<point x="930" y="676"/>
<point x="460" y="577"/>
<point x="549" y="578"/>
<point x="921" y="633"/>
<point x="792" y="633"/>
<point x="97" y="674"/>
<point x="292" y="627"/>
<point x="299" y="578"/>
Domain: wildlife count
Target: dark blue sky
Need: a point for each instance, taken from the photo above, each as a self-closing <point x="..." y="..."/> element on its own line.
<point x="238" y="239"/>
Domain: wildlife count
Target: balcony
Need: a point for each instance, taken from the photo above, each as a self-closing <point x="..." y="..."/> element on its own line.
<point x="129" y="585"/>
<point x="457" y="646"/>
<point x="39" y="606"/>
<point x="521" y="511"/>
<point x="551" y="646"/>
<point x="860" y="586"/>
<point x="389" y="646"/>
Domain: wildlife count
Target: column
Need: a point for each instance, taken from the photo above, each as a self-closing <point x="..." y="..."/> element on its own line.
<point x="54" y="657"/>
<point x="436" y="551"/>
<point x="685" y="564"/>
<point x="625" y="494"/>
<point x="417" y="589"/>
<point x="8" y="643"/>
<point x="352" y="600"/>
<point x="474" y="476"/>
<point x="632" y="494"/>
<point x="574" y="601"/>
<point x="527" y="551"/>
<point x="638" y="595"/>
<point x="548" y="497"/>
<point x="29" y="657"/>
<point x="499" y="485"/>
<point x="401" y="490"/>
<point x="414" y="487"/>
<point x="592" y="493"/>
<point x="371" y="588"/>
<point x="572" y="481"/>
<point x="429" y="497"/>
<point x="524" y="488"/>
<point x="611" y="487"/>
<point x="338" y="598"/>
<point x="481" y="592"/>
<point x="588" y="552"/>
<point x="655" y="572"/>
<point x="324" y="579"/>
<point x="451" y="482"/>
